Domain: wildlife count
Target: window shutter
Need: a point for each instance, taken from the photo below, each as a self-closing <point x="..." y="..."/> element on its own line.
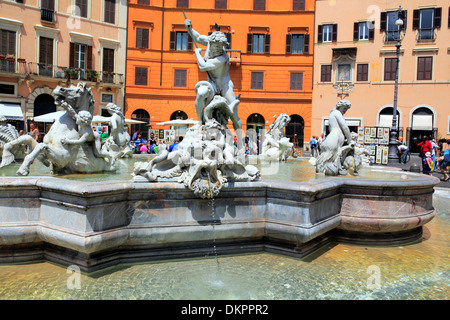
<point x="89" y="58"/>
<point x="138" y="38"/>
<point x="145" y="38"/>
<point x="416" y="19"/>
<point x="356" y="31"/>
<point x="72" y="55"/>
<point x="12" y="43"/>
<point x="228" y="35"/>
<point x="334" y="33"/>
<point x="306" y="44"/>
<point x="371" y="30"/>
<point x="172" y="40"/>
<point x="267" y="43"/>
<point x="437" y="17"/>
<point x="405" y="16"/>
<point x="249" y="42"/>
<point x="383" y="21"/>
<point x="449" y="17"/>
<point x="319" y="33"/>
<point x="189" y="42"/>
<point x="288" y="43"/>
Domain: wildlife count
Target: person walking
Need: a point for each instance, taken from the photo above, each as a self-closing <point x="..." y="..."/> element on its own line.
<point x="313" y="146"/>
<point x="444" y="160"/>
<point x="425" y="146"/>
<point x="434" y="148"/>
<point x="402" y="149"/>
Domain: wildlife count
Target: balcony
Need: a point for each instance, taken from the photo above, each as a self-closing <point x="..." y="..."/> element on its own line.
<point x="73" y="74"/>
<point x="9" y="65"/>
<point x="47" y="15"/>
<point x="235" y="55"/>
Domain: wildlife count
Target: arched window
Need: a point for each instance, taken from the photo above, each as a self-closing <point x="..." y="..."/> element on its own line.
<point x="422" y="124"/>
<point x="295" y="130"/>
<point x="44" y="104"/>
<point x="142" y="128"/>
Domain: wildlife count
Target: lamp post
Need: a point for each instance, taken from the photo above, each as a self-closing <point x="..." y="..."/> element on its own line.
<point x="393" y="145"/>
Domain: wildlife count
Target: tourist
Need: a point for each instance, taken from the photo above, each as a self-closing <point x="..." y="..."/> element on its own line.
<point x="143" y="148"/>
<point x="152" y="143"/>
<point x="21" y="133"/>
<point x="428" y="166"/>
<point x="313" y="146"/>
<point x="104" y="135"/>
<point x="155" y="147"/>
<point x="434" y="147"/>
<point x="425" y="146"/>
<point x="444" y="159"/>
<point x="402" y="150"/>
<point x="137" y="143"/>
<point x="162" y="146"/>
<point x="174" y="146"/>
<point x="319" y="142"/>
<point x="34" y="132"/>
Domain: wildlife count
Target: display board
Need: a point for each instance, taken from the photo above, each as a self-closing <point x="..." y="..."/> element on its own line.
<point x="376" y="140"/>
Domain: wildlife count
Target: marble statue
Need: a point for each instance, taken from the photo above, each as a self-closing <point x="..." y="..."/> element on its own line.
<point x="118" y="143"/>
<point x="206" y="158"/>
<point x="216" y="63"/>
<point x="276" y="146"/>
<point x="70" y="146"/>
<point x="337" y="152"/>
<point x="9" y="133"/>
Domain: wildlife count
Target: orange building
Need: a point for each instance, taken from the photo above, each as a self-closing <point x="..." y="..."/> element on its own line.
<point x="270" y="51"/>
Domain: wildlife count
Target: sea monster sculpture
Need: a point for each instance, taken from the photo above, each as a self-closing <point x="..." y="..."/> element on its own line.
<point x="337" y="155"/>
<point x="54" y="152"/>
<point x="118" y="143"/>
<point x="276" y="146"/>
<point x="206" y="158"/>
<point x="9" y="133"/>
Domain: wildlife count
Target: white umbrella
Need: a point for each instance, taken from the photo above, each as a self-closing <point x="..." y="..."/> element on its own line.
<point x="102" y="119"/>
<point x="178" y="123"/>
<point x="49" y="117"/>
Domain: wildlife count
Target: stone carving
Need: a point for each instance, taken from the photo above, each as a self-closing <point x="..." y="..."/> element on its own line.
<point x="337" y="156"/>
<point x="70" y="146"/>
<point x="9" y="133"/>
<point x="276" y="146"/>
<point x="206" y="158"/>
<point x="118" y="143"/>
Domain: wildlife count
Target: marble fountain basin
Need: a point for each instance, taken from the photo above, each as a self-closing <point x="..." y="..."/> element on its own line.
<point x="97" y="224"/>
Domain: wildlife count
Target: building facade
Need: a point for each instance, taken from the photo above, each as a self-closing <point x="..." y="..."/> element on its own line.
<point x="355" y="58"/>
<point x="270" y="52"/>
<point x="45" y="43"/>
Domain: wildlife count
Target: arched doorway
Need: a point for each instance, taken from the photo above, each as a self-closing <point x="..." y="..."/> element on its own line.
<point x="179" y="115"/>
<point x="142" y="128"/>
<point x="295" y="130"/>
<point x="422" y="124"/>
<point x="256" y="125"/>
<point x="43" y="104"/>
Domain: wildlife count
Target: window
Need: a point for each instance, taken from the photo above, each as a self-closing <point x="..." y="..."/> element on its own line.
<point x="257" y="80"/>
<point x="147" y="2"/>
<point x="142" y="38"/>
<point x="108" y="65"/>
<point x="182" y="3"/>
<point x="387" y="24"/>
<point x="259" y="4"/>
<point x="325" y="73"/>
<point x="82" y="7"/>
<point x="362" y="72"/>
<point x="47" y="10"/>
<point x="8" y="89"/>
<point x="110" y="11"/>
<point x="180" y="78"/>
<point x="424" y="68"/>
<point x="7" y="42"/>
<point x="180" y="40"/>
<point x="45" y="56"/>
<point x="297" y="43"/>
<point x="363" y="31"/>
<point x="327" y="33"/>
<point x="390" y="68"/>
<point x="298" y="5"/>
<point x="297" y="81"/>
<point x="220" y="4"/>
<point x="140" y="76"/>
<point x="258" y="43"/>
<point x="107" y="97"/>
<point x="426" y="20"/>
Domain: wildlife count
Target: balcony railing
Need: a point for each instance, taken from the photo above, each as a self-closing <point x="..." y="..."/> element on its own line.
<point x="47" y="15"/>
<point x="235" y="55"/>
<point x="75" y="74"/>
<point x="9" y="65"/>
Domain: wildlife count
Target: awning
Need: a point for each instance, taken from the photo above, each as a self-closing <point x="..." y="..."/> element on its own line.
<point x="49" y="117"/>
<point x="422" y="122"/>
<point x="11" y="111"/>
<point x="386" y="120"/>
<point x="350" y="123"/>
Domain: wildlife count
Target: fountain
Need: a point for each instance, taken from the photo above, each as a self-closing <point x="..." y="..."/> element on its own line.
<point x="163" y="212"/>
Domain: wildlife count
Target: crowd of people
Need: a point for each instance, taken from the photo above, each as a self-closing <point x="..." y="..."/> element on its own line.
<point x="435" y="156"/>
<point x="152" y="145"/>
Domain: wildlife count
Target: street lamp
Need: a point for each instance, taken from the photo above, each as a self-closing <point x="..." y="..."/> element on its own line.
<point x="393" y="145"/>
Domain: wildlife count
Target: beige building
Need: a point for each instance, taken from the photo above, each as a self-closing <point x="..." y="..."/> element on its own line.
<point x="45" y="43"/>
<point x="355" y="58"/>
